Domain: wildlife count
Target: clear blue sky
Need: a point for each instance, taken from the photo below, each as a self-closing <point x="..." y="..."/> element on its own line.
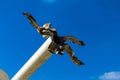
<point x="97" y="22"/>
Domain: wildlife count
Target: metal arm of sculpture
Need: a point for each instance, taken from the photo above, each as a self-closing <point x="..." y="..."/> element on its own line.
<point x="42" y="30"/>
<point x="74" y="40"/>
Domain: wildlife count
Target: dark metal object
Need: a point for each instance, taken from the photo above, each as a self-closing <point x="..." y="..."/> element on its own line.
<point x="58" y="44"/>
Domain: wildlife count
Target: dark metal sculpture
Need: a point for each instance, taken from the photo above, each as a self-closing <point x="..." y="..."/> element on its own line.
<point x="58" y="44"/>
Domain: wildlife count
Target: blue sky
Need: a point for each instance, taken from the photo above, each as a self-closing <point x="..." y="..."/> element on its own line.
<point x="96" y="22"/>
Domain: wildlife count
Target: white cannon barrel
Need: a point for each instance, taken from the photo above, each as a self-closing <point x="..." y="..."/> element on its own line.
<point x="39" y="57"/>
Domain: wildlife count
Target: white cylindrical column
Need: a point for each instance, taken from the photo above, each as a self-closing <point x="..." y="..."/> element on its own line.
<point x="39" y="57"/>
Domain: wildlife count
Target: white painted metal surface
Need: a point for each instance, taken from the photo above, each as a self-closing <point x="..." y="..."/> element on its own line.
<point x="3" y="75"/>
<point x="39" y="57"/>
